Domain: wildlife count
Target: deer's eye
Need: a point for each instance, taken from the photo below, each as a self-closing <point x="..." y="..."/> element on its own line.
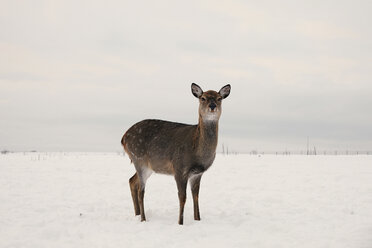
<point x="219" y="99"/>
<point x="203" y="99"/>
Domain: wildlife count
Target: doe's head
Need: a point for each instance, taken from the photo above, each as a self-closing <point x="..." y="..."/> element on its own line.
<point x="210" y="101"/>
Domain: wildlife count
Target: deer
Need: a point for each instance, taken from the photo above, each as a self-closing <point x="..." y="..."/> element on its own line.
<point x="181" y="150"/>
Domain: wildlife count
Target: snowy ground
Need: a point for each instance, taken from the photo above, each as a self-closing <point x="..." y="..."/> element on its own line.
<point x="83" y="200"/>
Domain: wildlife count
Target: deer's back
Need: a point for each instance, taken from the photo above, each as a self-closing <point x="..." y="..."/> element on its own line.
<point x="157" y="144"/>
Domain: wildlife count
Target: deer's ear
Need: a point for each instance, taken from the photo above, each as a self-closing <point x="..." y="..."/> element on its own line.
<point x="196" y="90"/>
<point x="225" y="91"/>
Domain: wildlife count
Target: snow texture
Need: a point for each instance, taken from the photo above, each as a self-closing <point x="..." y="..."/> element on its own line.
<point x="83" y="200"/>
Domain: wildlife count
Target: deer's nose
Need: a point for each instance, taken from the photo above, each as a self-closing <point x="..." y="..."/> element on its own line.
<point x="212" y="106"/>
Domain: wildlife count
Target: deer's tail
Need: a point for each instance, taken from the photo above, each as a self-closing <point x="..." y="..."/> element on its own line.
<point x="124" y="144"/>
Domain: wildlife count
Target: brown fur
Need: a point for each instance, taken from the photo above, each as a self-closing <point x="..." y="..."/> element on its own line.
<point x="184" y="151"/>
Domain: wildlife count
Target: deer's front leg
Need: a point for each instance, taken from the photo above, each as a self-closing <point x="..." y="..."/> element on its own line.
<point x="195" y="186"/>
<point x="181" y="186"/>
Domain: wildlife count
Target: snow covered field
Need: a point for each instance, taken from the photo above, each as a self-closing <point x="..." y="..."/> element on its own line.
<point x="83" y="200"/>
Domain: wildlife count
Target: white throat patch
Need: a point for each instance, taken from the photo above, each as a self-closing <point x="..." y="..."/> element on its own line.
<point x="211" y="116"/>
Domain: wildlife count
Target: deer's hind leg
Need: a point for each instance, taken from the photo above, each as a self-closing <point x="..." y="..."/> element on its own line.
<point x="134" y="186"/>
<point x="143" y="174"/>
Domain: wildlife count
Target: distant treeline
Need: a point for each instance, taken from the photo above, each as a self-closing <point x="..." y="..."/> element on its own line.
<point x="310" y="153"/>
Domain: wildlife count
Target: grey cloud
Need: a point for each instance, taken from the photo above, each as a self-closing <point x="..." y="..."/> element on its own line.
<point x="75" y="75"/>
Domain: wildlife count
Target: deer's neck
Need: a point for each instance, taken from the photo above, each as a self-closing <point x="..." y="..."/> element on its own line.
<point x="207" y="137"/>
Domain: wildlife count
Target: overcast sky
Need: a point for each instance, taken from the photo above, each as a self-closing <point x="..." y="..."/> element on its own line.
<point x="75" y="75"/>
